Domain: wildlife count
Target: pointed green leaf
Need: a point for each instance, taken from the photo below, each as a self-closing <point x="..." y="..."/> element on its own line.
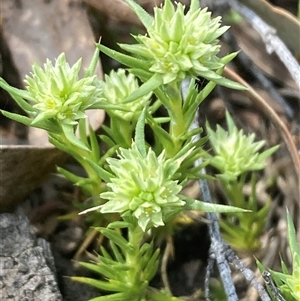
<point x="82" y="131"/>
<point x="292" y="237"/>
<point x="143" y="75"/>
<point x="16" y="117"/>
<point x="259" y="265"/>
<point x="70" y="135"/>
<point x="190" y="96"/>
<point x="93" y="64"/>
<point x="119" y="225"/>
<point x="45" y="125"/>
<point x="146" y="251"/>
<point x="116" y="238"/>
<point x="149" y="86"/>
<point x="231" y="232"/>
<point x="101" y="172"/>
<point x="140" y="133"/>
<point x="109" y="153"/>
<point x="262" y="213"/>
<point x="50" y="125"/>
<point x="195" y="5"/>
<point x="284" y="267"/>
<point x="70" y="176"/>
<point x="24" y="105"/>
<point x="188" y="136"/>
<point x="113" y="286"/>
<point x="228" y="58"/>
<point x="123" y="58"/>
<point x="223" y="81"/>
<point x="230" y="84"/>
<point x="105" y="254"/>
<point x="205" y="92"/>
<point x="160" y="120"/>
<point x="192" y="204"/>
<point x="60" y="145"/>
<point x="137" y="50"/>
<point x="161" y="135"/>
<point x="189" y="116"/>
<point x="94" y="145"/>
<point x="102" y="269"/>
<point x="14" y="91"/>
<point x="107" y="261"/>
<point x="114" y="297"/>
<point x="145" y="18"/>
<point x="268" y="152"/>
<point x="108" y="107"/>
<point x="119" y="257"/>
<point x="110" y="143"/>
<point x="152" y="265"/>
<point x="109" y="131"/>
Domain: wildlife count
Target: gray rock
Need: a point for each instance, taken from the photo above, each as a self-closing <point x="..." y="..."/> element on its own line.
<point x="26" y="264"/>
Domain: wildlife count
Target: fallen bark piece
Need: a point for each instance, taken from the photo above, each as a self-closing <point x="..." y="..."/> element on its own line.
<point x="25" y="262"/>
<point x="23" y="168"/>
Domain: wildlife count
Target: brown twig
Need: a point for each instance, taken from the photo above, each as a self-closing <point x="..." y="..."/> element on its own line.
<point x="272" y="41"/>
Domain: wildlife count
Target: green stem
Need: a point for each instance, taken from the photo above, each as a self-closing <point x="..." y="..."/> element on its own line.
<point x="234" y="192"/>
<point x="80" y="155"/>
<point x="122" y="131"/>
<point x="134" y="277"/>
<point x="177" y="124"/>
<point x="247" y="222"/>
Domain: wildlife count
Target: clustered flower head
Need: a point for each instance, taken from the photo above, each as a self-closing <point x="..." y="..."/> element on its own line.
<point x="181" y="45"/>
<point x="58" y="93"/>
<point x="118" y="86"/>
<point x="143" y="185"/>
<point x="234" y="152"/>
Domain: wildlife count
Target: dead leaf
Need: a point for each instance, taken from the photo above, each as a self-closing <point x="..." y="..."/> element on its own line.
<point x="253" y="46"/>
<point x="118" y="10"/>
<point x="43" y="30"/>
<point x="24" y="168"/>
<point x="286" y="25"/>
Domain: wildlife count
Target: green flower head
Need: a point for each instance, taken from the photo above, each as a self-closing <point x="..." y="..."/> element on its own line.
<point x="180" y="45"/>
<point x="143" y="186"/>
<point x="234" y="152"/>
<point x="58" y="93"/>
<point x="118" y="86"/>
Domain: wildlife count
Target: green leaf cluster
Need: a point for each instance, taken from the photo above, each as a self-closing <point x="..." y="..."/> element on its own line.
<point x="143" y="185"/>
<point x="236" y="156"/>
<point x="126" y="269"/>
<point x="287" y="283"/>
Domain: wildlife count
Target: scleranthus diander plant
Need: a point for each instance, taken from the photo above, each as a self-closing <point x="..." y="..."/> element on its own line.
<point x="285" y="285"/>
<point x="134" y="185"/>
<point x="236" y="156"/>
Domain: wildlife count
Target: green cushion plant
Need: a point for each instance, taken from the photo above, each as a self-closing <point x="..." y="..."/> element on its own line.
<point x="134" y="185"/>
